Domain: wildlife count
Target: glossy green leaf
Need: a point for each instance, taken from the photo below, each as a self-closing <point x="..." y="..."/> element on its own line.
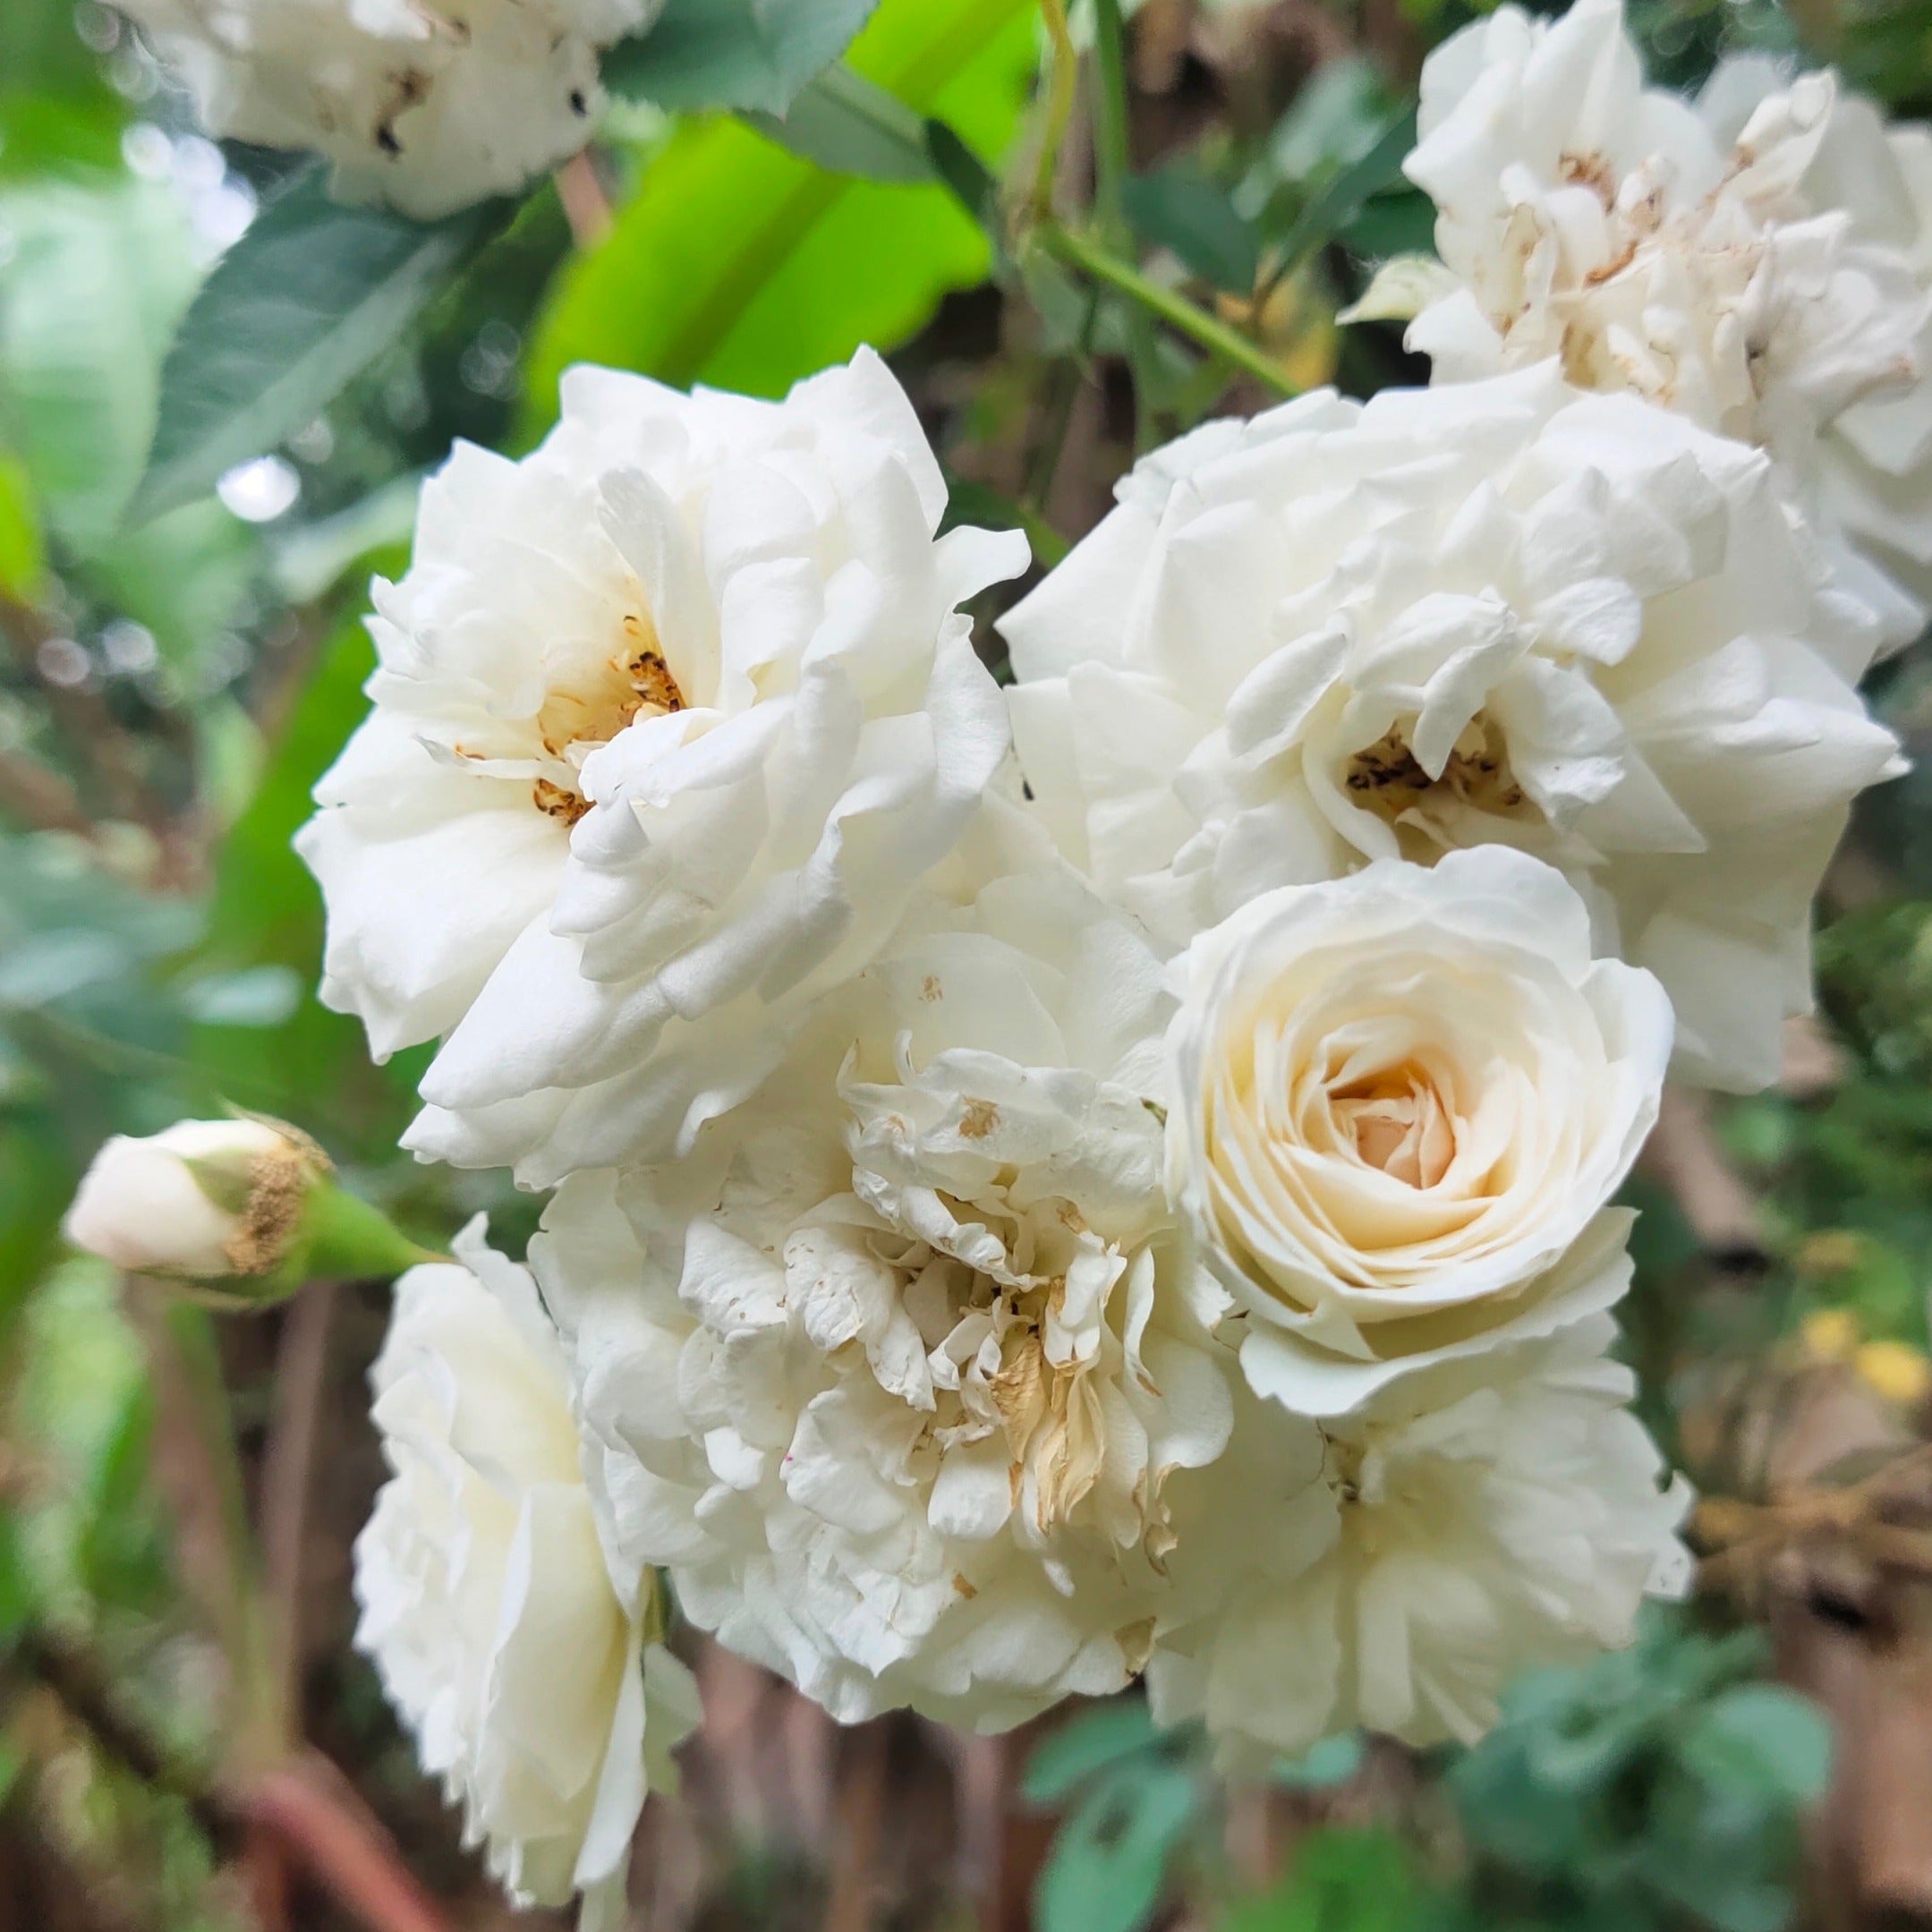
<point x="744" y="266"/>
<point x="852" y="127"/>
<point x="1181" y="210"/>
<point x="1342" y="199"/>
<point x="305" y="301"/>
<point x="745" y="54"/>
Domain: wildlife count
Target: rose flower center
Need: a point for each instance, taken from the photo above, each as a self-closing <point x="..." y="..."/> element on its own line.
<point x="1387" y="777"/>
<point x="1399" y="1122"/>
<point x="634" y="683"/>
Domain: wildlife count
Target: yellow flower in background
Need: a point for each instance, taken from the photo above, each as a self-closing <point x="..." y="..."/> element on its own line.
<point x="1831" y="1334"/>
<point x="1896" y="1370"/>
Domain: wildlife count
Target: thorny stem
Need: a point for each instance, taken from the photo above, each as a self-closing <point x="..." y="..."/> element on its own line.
<point x="1082" y="252"/>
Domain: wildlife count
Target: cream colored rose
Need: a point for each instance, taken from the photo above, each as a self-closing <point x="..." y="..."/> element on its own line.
<point x="1400" y="1100"/>
<point x="519" y="1655"/>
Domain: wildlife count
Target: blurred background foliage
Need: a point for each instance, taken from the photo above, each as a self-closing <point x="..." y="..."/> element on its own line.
<point x="170" y="689"/>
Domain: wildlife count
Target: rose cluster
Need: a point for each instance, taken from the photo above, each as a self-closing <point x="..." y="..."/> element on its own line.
<point x="1115" y="1179"/>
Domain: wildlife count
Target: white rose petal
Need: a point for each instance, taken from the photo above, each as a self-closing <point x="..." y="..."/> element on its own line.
<point x="1397" y="1101"/>
<point x="891" y="1374"/>
<point x="1492" y="612"/>
<point x="416" y="103"/>
<point x="506" y="1641"/>
<point x="671" y="717"/>
<point x="1760" y="261"/>
<point x="1399" y="1569"/>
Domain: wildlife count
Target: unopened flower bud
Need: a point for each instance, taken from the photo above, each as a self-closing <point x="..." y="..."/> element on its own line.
<point x="243" y="1208"/>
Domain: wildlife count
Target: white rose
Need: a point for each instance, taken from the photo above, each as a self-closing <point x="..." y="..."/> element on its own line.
<point x="416" y="102"/>
<point x="1760" y="262"/>
<point x="204" y="1200"/>
<point x="512" y="1649"/>
<point x="1397" y="1101"/>
<point x="1485" y="613"/>
<point x="892" y="1372"/>
<point x="670" y="718"/>
<point x="1399" y="1569"/>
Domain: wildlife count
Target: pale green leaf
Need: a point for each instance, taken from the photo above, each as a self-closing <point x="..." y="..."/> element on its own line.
<point x="852" y="127"/>
<point x="306" y="300"/>
<point x="97" y="277"/>
<point x="744" y="54"/>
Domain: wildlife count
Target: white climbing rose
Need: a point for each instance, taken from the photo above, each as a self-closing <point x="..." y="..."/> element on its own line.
<point x="428" y="105"/>
<point x="1399" y="1101"/>
<point x="671" y="718"/>
<point x="892" y="1372"/>
<point x="1400" y="1567"/>
<point x="509" y="1645"/>
<point x="1493" y="612"/>
<point x="1760" y="260"/>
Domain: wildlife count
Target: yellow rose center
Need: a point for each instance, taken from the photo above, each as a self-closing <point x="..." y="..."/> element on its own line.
<point x="1388" y="779"/>
<point x="636" y="683"/>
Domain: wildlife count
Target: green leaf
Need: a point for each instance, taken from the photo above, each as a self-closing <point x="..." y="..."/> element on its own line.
<point x="1094" y="1741"/>
<point x="1331" y="1762"/>
<point x="1761" y="1741"/>
<point x="745" y="54"/>
<point x="22" y="551"/>
<point x="848" y="125"/>
<point x="99" y="276"/>
<point x="1108" y="1868"/>
<point x="306" y="300"/>
<point x="973" y="184"/>
<point x="1179" y="208"/>
<point x="1341" y="1881"/>
<point x="183" y="576"/>
<point x="1342" y="199"/>
<point x="744" y="266"/>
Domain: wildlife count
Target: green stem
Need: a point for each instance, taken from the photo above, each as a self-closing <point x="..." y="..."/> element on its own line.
<point x="1110" y="159"/>
<point x="1061" y="73"/>
<point x="1082" y="252"/>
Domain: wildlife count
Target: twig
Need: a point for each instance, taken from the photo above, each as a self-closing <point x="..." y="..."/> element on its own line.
<point x="302" y="1364"/>
<point x="586" y="207"/>
<point x="1684" y="1154"/>
<point x="311" y="1809"/>
<point x="861" y="1799"/>
<point x="40" y="798"/>
<point x="92" y="731"/>
<point x="1736" y="1533"/>
<point x="303" y="1805"/>
<point x="84" y="1693"/>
